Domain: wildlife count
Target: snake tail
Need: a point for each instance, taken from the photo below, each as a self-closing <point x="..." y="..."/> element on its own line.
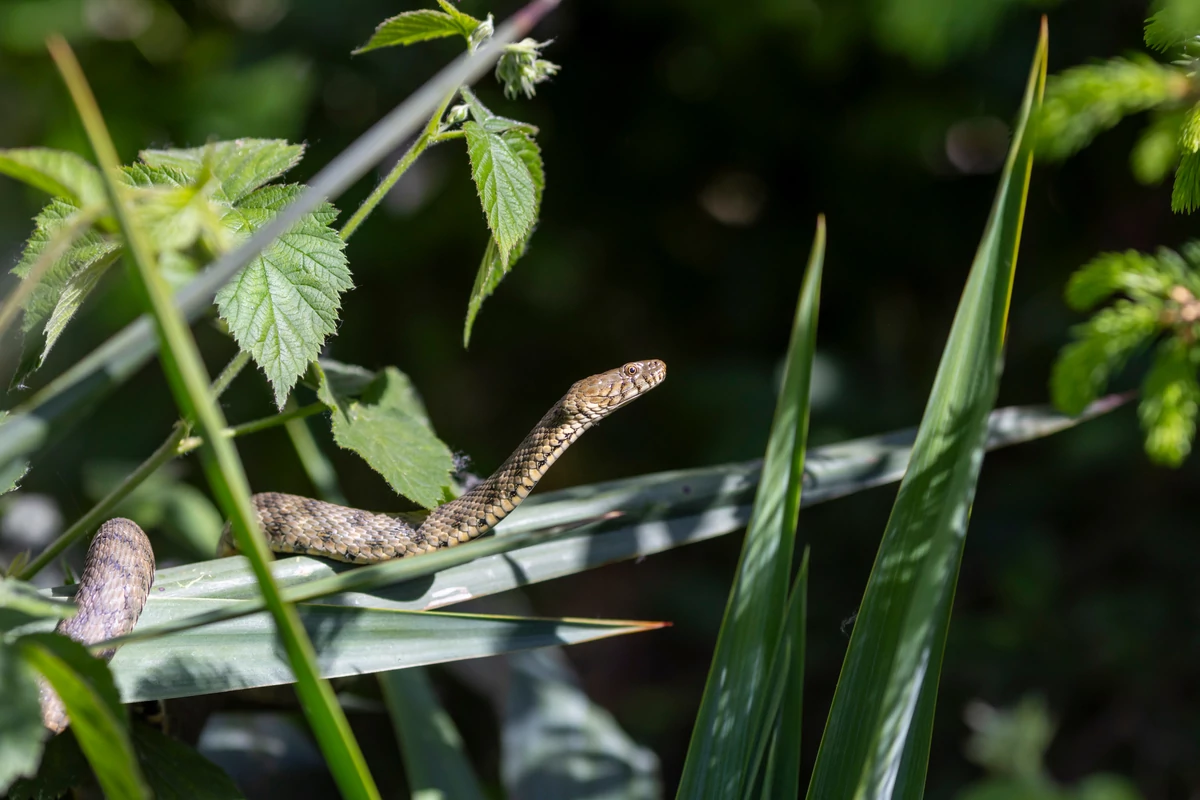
<point x="113" y="588"/>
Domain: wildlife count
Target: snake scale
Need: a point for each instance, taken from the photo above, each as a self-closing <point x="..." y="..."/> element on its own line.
<point x="119" y="568"/>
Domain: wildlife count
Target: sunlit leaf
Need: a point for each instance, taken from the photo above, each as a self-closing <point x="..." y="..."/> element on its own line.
<point x="421" y="25"/>
<point x="59" y="173"/>
<point x="505" y="185"/>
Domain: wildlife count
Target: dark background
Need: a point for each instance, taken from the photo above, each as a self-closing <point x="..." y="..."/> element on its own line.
<point x="689" y="146"/>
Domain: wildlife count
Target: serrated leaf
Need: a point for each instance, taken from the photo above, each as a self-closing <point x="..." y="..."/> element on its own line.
<point x="1170" y="401"/>
<point x="466" y="22"/>
<point x="493" y="269"/>
<point x="57" y="172"/>
<point x="1176" y="22"/>
<point x="64" y="287"/>
<point x="86" y="689"/>
<point x="479" y="112"/>
<point x="1102" y="346"/>
<point x="421" y="25"/>
<point x="502" y="124"/>
<point x="239" y="165"/>
<point x="505" y="186"/>
<point x="21" y="728"/>
<point x="387" y="426"/>
<point x="284" y="304"/>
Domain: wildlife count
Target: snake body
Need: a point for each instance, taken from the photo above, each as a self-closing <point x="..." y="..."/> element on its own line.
<point x="119" y="569"/>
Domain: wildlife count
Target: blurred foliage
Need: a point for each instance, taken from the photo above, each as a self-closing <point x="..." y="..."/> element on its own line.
<point x="681" y="169"/>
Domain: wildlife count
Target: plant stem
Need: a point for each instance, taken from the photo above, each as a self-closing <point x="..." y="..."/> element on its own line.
<point x="235" y="366"/>
<point x="185" y="371"/>
<point x="428" y="136"/>
<point x="166" y="451"/>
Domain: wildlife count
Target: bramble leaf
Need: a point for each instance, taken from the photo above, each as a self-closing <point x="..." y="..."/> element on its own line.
<point x="239" y="165"/>
<point x="1138" y="275"/>
<point x="421" y="25"/>
<point x="386" y="424"/>
<point x="284" y="304"/>
<point x="56" y="172"/>
<point x="493" y="268"/>
<point x="505" y="185"/>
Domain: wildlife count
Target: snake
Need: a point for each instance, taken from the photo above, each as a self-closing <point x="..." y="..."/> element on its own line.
<point x="119" y="567"/>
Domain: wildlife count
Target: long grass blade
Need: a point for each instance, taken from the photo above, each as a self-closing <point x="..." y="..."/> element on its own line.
<point x="735" y="696"/>
<point x="876" y="740"/>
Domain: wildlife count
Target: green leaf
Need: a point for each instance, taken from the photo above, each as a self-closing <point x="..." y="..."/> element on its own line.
<point x="349" y="641"/>
<point x="555" y="742"/>
<point x="284" y="304"/>
<point x="65" y="286"/>
<point x="11" y="472"/>
<point x="1102" y="346"/>
<point x="1170" y="400"/>
<point x="1156" y="151"/>
<point x="505" y="185"/>
<point x="1185" y="194"/>
<point x="420" y="26"/>
<point x="387" y="426"/>
<point x="736" y="695"/>
<point x="21" y="723"/>
<point x="57" y="172"/>
<point x="435" y="763"/>
<point x="1141" y="276"/>
<point x="240" y="165"/>
<point x="876" y="740"/>
<point x="780" y="736"/>
<point x="493" y="268"/>
<point x="97" y="718"/>
<point x="64" y="768"/>
<point x="177" y="772"/>
<point x="1176" y="22"/>
<point x="21" y="603"/>
<point x="1085" y="101"/>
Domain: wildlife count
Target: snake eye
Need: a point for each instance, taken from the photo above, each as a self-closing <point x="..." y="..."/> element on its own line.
<point x="631" y="369"/>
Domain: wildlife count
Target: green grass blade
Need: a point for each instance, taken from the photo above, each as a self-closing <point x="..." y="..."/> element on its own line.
<point x="86" y="690"/>
<point x="190" y="385"/>
<point x="876" y="739"/>
<point x="736" y="693"/>
<point x="434" y="760"/>
<point x="780" y="735"/>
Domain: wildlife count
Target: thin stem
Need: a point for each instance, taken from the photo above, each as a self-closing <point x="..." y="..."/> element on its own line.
<point x="185" y="371"/>
<point x="235" y="366"/>
<point x="446" y="136"/>
<point x="428" y="136"/>
<point x="166" y="451"/>
<point x="275" y="420"/>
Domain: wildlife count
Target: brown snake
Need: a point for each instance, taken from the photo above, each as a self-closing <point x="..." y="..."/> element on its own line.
<point x="119" y="568"/>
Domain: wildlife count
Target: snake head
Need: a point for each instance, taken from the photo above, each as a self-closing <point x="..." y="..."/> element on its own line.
<point x="601" y="394"/>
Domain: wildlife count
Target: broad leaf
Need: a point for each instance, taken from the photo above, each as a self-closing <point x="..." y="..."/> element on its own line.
<point x="876" y="741"/>
<point x="420" y="26"/>
<point x="505" y="185"/>
<point x="21" y="722"/>
<point x="97" y="719"/>
<point x="284" y="304"/>
<point x="65" y="285"/>
<point x="493" y="268"/>
<point x="735" y="705"/>
<point x="349" y="641"/>
<point x="59" y="173"/>
<point x="386" y="425"/>
<point x="435" y="763"/>
<point x="240" y="165"/>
